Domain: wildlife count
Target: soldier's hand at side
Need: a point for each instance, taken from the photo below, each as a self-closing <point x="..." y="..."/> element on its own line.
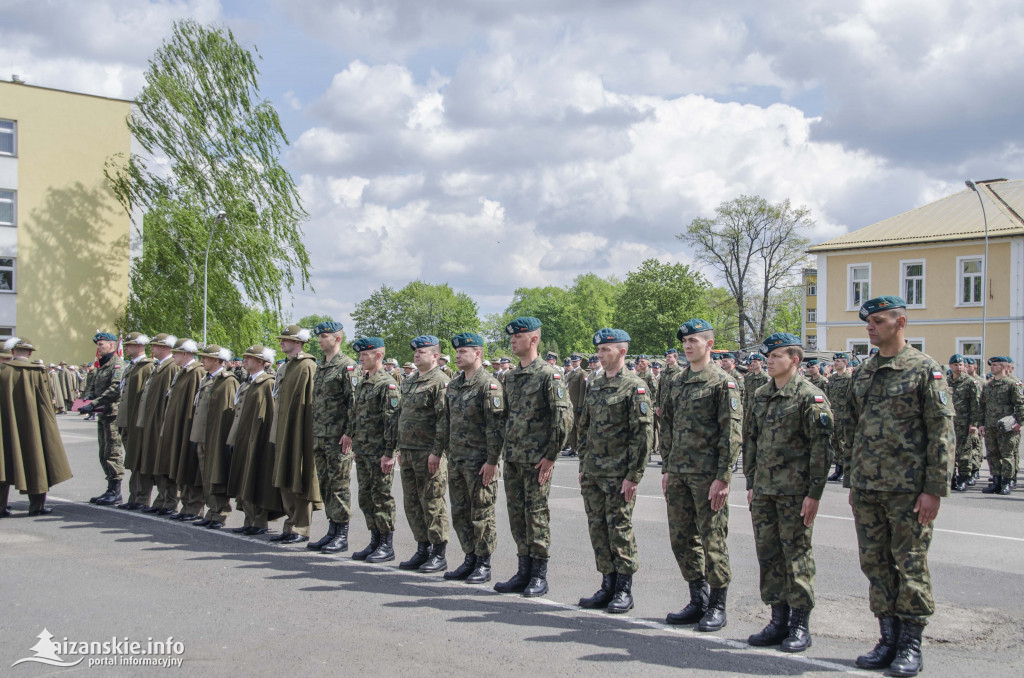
<point x="926" y="507"/>
<point x="750" y="497"/>
<point x="628" y="489"/>
<point x="433" y="463"/>
<point x="972" y="430"/>
<point x="664" y="484"/>
<point x="809" y="510"/>
<point x="545" y="466"/>
<point x="487" y="473"/>
<point x="346" y="444"/>
<point x="718" y="495"/>
<point x="579" y="478"/>
<point x="981" y="430"/>
<point x="387" y="463"/>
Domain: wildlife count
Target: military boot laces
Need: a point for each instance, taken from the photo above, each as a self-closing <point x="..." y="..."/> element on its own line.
<point x="538" y="585"/>
<point x="777" y="629"/>
<point x="370" y="548"/>
<point x="112" y="495"/>
<point x="332" y="529"/>
<point x="799" y="637"/>
<point x="385" y="551"/>
<point x="437" y="561"/>
<point x="885" y="650"/>
<point x="421" y="556"/>
<point x="622" y="601"/>
<point x="714" y="619"/>
<point x="339" y="543"/>
<point x="481" y="573"/>
<point x="698" y="605"/>
<point x="908" y="661"/>
<point x="463" y="571"/>
<point x="994" y="483"/>
<point x="519" y="580"/>
<point x="603" y="596"/>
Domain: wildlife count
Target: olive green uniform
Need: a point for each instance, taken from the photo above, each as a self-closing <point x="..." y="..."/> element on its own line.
<point x="105" y="392"/>
<point x="967" y="407"/>
<point x="1002" y="396"/>
<point x="373" y="433"/>
<point x="333" y="387"/>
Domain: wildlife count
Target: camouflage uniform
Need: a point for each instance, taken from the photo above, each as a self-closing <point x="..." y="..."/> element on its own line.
<point x="576" y="384"/>
<point x="653" y="389"/>
<point x="423" y="431"/>
<point x="752" y="383"/>
<point x="476" y="416"/>
<point x="786" y="457"/>
<point x="105" y="392"/>
<point x="240" y="374"/>
<point x="967" y="406"/>
<point x="837" y="391"/>
<point x="1003" y="396"/>
<point x="701" y="442"/>
<point x="616" y="439"/>
<point x="539" y="420"/>
<point x="818" y="382"/>
<point x="977" y="449"/>
<point x="901" y="439"/>
<point x="333" y="386"/>
<point x="738" y="378"/>
<point x="373" y="436"/>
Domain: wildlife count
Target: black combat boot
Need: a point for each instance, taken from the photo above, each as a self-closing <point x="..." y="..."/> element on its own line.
<point x="994" y="483"/>
<point x="714" y="618"/>
<point x="437" y="561"/>
<point x="959" y="483"/>
<point x="1013" y="481"/>
<point x="972" y="478"/>
<point x="622" y="601"/>
<point x="105" y="495"/>
<point x="836" y="476"/>
<point x="481" y="573"/>
<point x="113" y="494"/>
<point x="340" y="542"/>
<point x="332" y="529"/>
<point x="538" y="585"/>
<point x="799" y="638"/>
<point x="777" y="629"/>
<point x="370" y="548"/>
<point x="421" y="556"/>
<point x="603" y="596"/>
<point x="698" y="605"/>
<point x="885" y="650"/>
<point x="462" y="571"/>
<point x="908" y="661"/>
<point x="519" y="580"/>
<point x="1005" y="488"/>
<point x="385" y="551"/>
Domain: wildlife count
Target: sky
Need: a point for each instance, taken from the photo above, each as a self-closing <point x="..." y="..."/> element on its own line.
<point x="497" y="144"/>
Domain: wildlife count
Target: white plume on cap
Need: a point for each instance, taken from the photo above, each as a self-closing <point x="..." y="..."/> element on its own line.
<point x="170" y="341"/>
<point x="142" y="340"/>
<point x="224" y="354"/>
<point x="189" y="346"/>
<point x="269" y="355"/>
<point x="10" y="343"/>
<point x="303" y="334"/>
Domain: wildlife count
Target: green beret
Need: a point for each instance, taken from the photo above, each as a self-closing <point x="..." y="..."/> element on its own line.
<point x="100" y="336"/>
<point x="813" y="362"/>
<point x="778" y="340"/>
<point x="367" y="343"/>
<point x="1000" y="359"/>
<point x="970" y="361"/>
<point x="523" y="324"/>
<point x="693" y="326"/>
<point x="755" y="356"/>
<point x="608" y="335"/>
<point x="424" y="341"/>
<point x="467" y="339"/>
<point x="841" y="355"/>
<point x="328" y="327"/>
<point x="727" y="354"/>
<point x="956" y="358"/>
<point x="886" y="303"/>
<point x="671" y="351"/>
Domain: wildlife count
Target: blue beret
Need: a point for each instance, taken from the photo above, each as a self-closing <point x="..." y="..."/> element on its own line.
<point x="841" y="355"/>
<point x="970" y="361"/>
<point x="886" y="303"/>
<point x="424" y="341"/>
<point x="608" y="335"/>
<point x="366" y="343"/>
<point x="100" y="336"/>
<point x="813" y="362"/>
<point x="523" y="324"/>
<point x="672" y="350"/>
<point x="693" y="326"/>
<point x="467" y="339"/>
<point x="755" y="356"/>
<point x="1000" y="359"/>
<point x="779" y="339"/>
<point x="727" y="354"/>
<point x="328" y="327"/>
<point x="956" y="358"/>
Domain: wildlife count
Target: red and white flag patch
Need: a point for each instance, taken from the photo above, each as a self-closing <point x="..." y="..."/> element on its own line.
<point x="392" y="387"/>
<point x="350" y="367"/>
<point x="731" y="384"/>
<point x="819" y="399"/>
<point x="936" y="374"/>
<point x="557" y="375"/>
<point x="494" y="387"/>
<point x="641" y="390"/>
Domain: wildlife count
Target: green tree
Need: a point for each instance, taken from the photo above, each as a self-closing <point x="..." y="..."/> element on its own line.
<point x="562" y="325"/>
<point x="786" y="311"/>
<point x="724" y="317"/>
<point x="211" y="143"/>
<point x="655" y="300"/>
<point x="595" y="298"/>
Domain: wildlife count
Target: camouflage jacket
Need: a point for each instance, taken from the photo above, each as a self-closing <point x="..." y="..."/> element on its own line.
<point x="818" y="381"/>
<point x="476" y="417"/>
<point x="1002" y="397"/>
<point x="240" y="374"/>
<point x="667" y="375"/>
<point x="333" y="386"/>
<point x="900" y="426"/>
<point x="539" y="413"/>
<point x="372" y="416"/>
<point x="105" y="388"/>
<point x="837" y="389"/>
<point x="786" y="440"/>
<point x="421" y="418"/>
<point x="652" y="384"/>
<point x="751" y="383"/>
<point x="738" y="378"/>
<point x="966" y="401"/>
<point x="700" y="424"/>
<point x="616" y="431"/>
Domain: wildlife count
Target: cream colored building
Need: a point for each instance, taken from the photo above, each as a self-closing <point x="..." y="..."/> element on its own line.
<point x="934" y="257"/>
<point x="64" y="238"/>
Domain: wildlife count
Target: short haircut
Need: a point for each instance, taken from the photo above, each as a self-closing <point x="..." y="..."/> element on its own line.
<point x="793" y="351"/>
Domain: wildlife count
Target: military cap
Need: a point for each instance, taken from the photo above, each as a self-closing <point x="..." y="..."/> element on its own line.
<point x="607" y="335"/>
<point x="774" y="341"/>
<point x="11" y="343"/>
<point x="185" y="346"/>
<point x="295" y="333"/>
<point x="1000" y="359"/>
<point x="443" y="356"/>
<point x="391" y="361"/>
<point x="655" y="364"/>
<point x="101" y="336"/>
<point x="840" y="355"/>
<point x="551" y="356"/>
<point x="755" y="356"/>
<point x="693" y="326"/>
<point x="523" y="324"/>
<point x="970" y="361"/>
<point x="486" y="363"/>
<point x="215" y="351"/>
<point x="19" y="343"/>
<point x="260" y="352"/>
<point x="575" y="357"/>
<point x="671" y="351"/>
<point x="424" y="341"/>
<point x="467" y="339"/>
<point x="886" y="303"/>
<point x="593" y="359"/>
<point x="409" y="366"/>
<point x="328" y="327"/>
<point x="505" y="361"/>
<point x="367" y="343"/>
<point x="630" y="365"/>
<point x="162" y="339"/>
<point x="63" y="362"/>
<point x="727" y="354"/>
<point x="566" y="362"/>
<point x="812" y="362"/>
<point x="956" y="358"/>
<point x="136" y="339"/>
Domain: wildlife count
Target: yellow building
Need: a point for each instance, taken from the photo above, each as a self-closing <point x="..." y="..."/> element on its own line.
<point x="64" y="238"/>
<point x="809" y="324"/>
<point x="935" y="258"/>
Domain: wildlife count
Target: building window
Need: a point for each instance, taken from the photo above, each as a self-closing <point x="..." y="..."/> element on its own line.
<point x="970" y="280"/>
<point x="6" y="137"/>
<point x="7" y="275"/>
<point x="812" y="342"/>
<point x="812" y="315"/>
<point x="859" y="285"/>
<point x="858" y="349"/>
<point x="916" y="343"/>
<point x="6" y="333"/>
<point x="8" y="208"/>
<point x="912" y="283"/>
<point x="812" y="289"/>
<point x="969" y="347"/>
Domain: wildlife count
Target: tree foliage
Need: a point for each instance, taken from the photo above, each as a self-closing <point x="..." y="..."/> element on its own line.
<point x="655" y="300"/>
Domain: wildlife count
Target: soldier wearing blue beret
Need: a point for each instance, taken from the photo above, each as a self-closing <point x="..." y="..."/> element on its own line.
<point x="837" y="389"/>
<point x="1002" y="409"/>
<point x="966" y="421"/>
<point x="104" y="396"/>
<point x="755" y="379"/>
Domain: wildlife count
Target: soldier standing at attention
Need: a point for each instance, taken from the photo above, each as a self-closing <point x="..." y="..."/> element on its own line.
<point x="422" y="437"/>
<point x="211" y="425"/>
<point x="476" y="423"/>
<point x="786" y="456"/>
<point x="813" y="374"/>
<point x="755" y="379"/>
<point x="151" y="420"/>
<point x="978" y="452"/>
<point x="672" y="368"/>
<point x="177" y="452"/>
<point x="1002" y="397"/>
<point x="967" y="418"/>
<point x="837" y="390"/>
<point x="729" y="365"/>
<point x="442" y="364"/>
<point x="901" y="445"/>
<point x="701" y="429"/>
<point x="616" y="439"/>
<point x="105" y="393"/>
<point x="576" y="383"/>
<point x="333" y="387"/>
<point x="133" y="380"/>
<point x="539" y="419"/>
<point x="372" y="440"/>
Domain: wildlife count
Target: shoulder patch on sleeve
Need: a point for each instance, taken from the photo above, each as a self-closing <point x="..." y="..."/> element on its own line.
<point x="350" y="367"/>
<point x="819" y="399"/>
<point x="392" y="387"/>
<point x="641" y="390"/>
<point x="494" y="387"/>
<point x="730" y="384"/>
<point x="936" y="374"/>
<point x="556" y="375"/>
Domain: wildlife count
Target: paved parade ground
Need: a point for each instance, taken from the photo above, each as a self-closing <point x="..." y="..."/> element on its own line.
<point x="242" y="606"/>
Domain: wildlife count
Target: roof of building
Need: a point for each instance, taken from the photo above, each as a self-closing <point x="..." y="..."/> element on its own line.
<point x="955" y="217"/>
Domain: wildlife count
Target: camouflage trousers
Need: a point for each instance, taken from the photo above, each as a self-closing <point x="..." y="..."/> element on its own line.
<point x="967" y="447"/>
<point x="610" y="522"/>
<point x="1003" y="451"/>
<point x="784" y="552"/>
<point x="841" y="453"/>
<point x="423" y="497"/>
<point x="894" y="554"/>
<point x="473" y="507"/>
<point x="334" y="473"/>
<point x="375" y="500"/>
<point x="697" y="534"/>
<point x="528" y="515"/>
<point x="111" y="449"/>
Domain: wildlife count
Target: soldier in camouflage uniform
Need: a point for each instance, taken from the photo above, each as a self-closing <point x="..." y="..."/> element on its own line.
<point x="104" y="392"/>
<point x="539" y="420"/>
<point x="672" y="368"/>
<point x="701" y="423"/>
<point x="901" y="439"/>
<point x="1002" y="397"/>
<point x="813" y="374"/>
<point x="978" y="456"/>
<point x="476" y="421"/>
<point x="645" y="372"/>
<point x="755" y="379"/>
<point x="372" y="439"/>
<point x="786" y="456"/>
<point x="967" y="406"/>
<point x="239" y="371"/>
<point x="837" y="390"/>
<point x="333" y="388"/>
<point x="422" y="438"/>
<point x="729" y="365"/>
<point x="616" y="439"/>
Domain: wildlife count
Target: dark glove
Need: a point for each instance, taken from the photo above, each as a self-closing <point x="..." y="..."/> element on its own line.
<point x="86" y="408"/>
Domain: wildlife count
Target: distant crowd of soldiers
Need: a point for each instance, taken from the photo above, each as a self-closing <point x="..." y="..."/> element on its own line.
<point x="203" y="430"/>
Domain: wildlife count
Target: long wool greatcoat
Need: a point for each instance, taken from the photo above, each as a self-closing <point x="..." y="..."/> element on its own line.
<point x="176" y="457"/>
<point x="216" y="416"/>
<point x="133" y="379"/>
<point x="151" y="414"/>
<point x="251" y="474"/>
<point x="294" y="468"/>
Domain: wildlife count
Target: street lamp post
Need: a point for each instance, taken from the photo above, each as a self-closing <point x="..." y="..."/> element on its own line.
<point x="984" y="288"/>
<point x="217" y="219"/>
